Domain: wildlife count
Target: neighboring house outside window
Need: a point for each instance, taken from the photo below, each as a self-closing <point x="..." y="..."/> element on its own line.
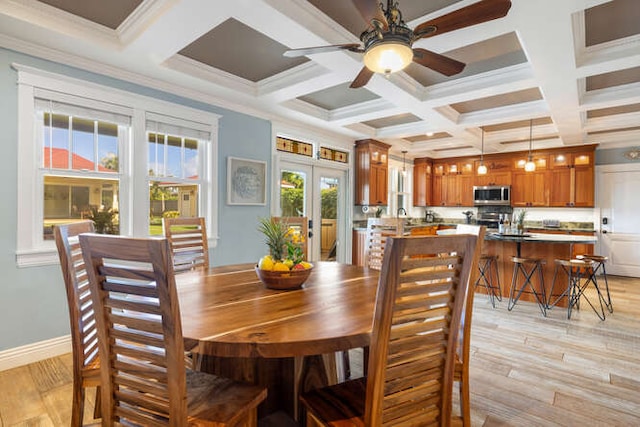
<point x="92" y="152"/>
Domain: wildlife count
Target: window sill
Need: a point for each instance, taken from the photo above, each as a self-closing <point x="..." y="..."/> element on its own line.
<point x="37" y="257"/>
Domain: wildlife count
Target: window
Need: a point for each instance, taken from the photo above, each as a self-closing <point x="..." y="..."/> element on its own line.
<point x="124" y="160"/>
<point x="80" y="166"/>
<point x="175" y="169"/>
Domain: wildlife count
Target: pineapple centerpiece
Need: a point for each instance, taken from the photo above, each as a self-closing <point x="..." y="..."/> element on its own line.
<point x="284" y="267"/>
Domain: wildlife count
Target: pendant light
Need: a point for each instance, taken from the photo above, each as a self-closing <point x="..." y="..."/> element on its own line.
<point x="404" y="163"/>
<point x="482" y="168"/>
<point x="530" y="166"/>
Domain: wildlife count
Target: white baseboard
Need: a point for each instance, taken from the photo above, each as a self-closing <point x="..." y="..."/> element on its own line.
<point x="35" y="352"/>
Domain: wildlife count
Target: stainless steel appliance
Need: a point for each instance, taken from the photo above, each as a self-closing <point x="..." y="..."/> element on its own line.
<point x="492" y="195"/>
<point x="489" y="216"/>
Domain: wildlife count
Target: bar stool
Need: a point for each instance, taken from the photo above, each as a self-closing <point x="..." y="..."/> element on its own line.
<point x="527" y="267"/>
<point x="576" y="270"/>
<point x="600" y="261"/>
<point x="488" y="267"/>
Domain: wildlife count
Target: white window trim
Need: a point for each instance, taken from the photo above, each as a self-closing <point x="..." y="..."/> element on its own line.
<point x="31" y="250"/>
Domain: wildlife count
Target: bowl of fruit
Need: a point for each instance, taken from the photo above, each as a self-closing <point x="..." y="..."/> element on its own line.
<point x="278" y="274"/>
<point x="284" y="267"/>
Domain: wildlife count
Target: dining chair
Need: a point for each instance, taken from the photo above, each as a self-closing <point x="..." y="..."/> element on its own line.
<point x="188" y="240"/>
<point x="419" y="305"/>
<point x="461" y="365"/>
<point x="144" y="379"/>
<point x="84" y="339"/>
<point x="378" y="230"/>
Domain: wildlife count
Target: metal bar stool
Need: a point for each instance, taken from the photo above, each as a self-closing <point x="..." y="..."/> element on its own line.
<point x="576" y="270"/>
<point x="488" y="267"/>
<point x="599" y="264"/>
<point x="527" y="267"/>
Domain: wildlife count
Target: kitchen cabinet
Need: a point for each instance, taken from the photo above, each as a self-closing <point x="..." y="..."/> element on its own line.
<point x="571" y="179"/>
<point x="422" y="182"/>
<point x="358" y="241"/>
<point x="498" y="172"/>
<point x="529" y="189"/>
<point x="371" y="174"/>
<point x="453" y="183"/>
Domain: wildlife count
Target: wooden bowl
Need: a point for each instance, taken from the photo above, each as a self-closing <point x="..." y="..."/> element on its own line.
<point x="283" y="280"/>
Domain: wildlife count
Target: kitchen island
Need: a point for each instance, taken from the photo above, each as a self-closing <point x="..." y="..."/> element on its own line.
<point x="548" y="247"/>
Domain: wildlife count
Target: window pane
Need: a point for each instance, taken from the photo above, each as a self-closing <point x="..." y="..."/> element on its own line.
<point x="56" y="141"/>
<point x="83" y="150"/>
<point x="68" y="199"/>
<point x="108" y="147"/>
<point x="174" y="157"/>
<point x="171" y="200"/>
<point x="292" y="189"/>
<point x="156" y="154"/>
<point x="191" y="159"/>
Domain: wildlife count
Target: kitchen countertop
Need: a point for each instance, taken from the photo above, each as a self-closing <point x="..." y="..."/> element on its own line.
<point x="542" y="237"/>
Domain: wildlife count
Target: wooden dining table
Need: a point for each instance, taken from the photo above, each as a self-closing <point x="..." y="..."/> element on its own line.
<point x="240" y="329"/>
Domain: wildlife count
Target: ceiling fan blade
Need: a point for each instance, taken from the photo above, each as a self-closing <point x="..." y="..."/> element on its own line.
<point x="435" y="61"/>
<point x="370" y="9"/>
<point x="362" y="78"/>
<point x="477" y="13"/>
<point x="293" y="53"/>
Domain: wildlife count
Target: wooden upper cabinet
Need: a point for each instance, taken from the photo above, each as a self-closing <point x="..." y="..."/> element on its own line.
<point x="498" y="172"/>
<point x="529" y="189"/>
<point x="422" y="182"/>
<point x="453" y="183"/>
<point x="572" y="179"/>
<point x="371" y="172"/>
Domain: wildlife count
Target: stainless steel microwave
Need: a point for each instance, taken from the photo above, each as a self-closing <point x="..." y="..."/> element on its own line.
<point x="492" y="195"/>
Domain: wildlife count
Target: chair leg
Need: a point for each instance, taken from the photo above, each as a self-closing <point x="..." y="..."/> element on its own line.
<point x="97" y="409"/>
<point x="498" y="294"/>
<point x="77" y="406"/>
<point x="465" y="402"/>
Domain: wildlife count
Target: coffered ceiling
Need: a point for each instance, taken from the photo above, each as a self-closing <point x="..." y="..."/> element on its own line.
<point x="570" y="66"/>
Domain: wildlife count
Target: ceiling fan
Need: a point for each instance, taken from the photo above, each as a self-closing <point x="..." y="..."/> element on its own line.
<point x="387" y="44"/>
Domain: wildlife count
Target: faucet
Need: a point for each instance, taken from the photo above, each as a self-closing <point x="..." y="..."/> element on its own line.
<point x="401" y="210"/>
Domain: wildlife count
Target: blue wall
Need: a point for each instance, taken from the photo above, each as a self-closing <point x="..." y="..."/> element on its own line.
<point x="33" y="304"/>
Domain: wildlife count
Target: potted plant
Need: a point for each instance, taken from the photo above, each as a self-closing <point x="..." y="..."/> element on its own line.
<point x="520" y="221"/>
<point x="103" y="220"/>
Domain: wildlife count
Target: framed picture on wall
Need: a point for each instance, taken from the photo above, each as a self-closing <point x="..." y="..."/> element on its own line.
<point x="246" y="182"/>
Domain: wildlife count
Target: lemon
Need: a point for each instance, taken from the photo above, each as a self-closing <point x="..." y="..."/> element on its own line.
<point x="288" y="263"/>
<point x="306" y="265"/>
<point x="280" y="266"/>
<point x="266" y="263"/>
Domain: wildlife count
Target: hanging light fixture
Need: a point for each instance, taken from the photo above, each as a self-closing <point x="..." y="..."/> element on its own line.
<point x="404" y="163"/>
<point x="482" y="168"/>
<point x="530" y="166"/>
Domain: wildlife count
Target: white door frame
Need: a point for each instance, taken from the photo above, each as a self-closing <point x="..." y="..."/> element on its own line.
<point x="622" y="249"/>
<point x="316" y="168"/>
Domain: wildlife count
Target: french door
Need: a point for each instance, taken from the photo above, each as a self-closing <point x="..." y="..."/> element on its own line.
<point x="318" y="193"/>
<point x="619" y="204"/>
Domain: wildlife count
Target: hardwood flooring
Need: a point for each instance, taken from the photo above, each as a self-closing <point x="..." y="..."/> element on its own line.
<point x="526" y="370"/>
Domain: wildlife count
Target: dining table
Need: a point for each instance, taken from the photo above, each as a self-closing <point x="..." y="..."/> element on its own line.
<point x="282" y="339"/>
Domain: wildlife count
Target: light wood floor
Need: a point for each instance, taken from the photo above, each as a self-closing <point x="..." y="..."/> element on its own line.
<point x="526" y="370"/>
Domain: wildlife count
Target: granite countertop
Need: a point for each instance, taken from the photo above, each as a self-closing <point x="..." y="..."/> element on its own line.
<point x="542" y="237"/>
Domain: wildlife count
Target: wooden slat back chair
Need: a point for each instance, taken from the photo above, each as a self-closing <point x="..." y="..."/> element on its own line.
<point x="378" y="230"/>
<point x="144" y="379"/>
<point x="188" y="239"/>
<point x="300" y="225"/>
<point x="84" y="337"/>
<point x="415" y="332"/>
<point x="461" y="371"/>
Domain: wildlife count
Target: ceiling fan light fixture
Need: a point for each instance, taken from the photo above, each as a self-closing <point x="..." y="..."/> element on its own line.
<point x="386" y="57"/>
